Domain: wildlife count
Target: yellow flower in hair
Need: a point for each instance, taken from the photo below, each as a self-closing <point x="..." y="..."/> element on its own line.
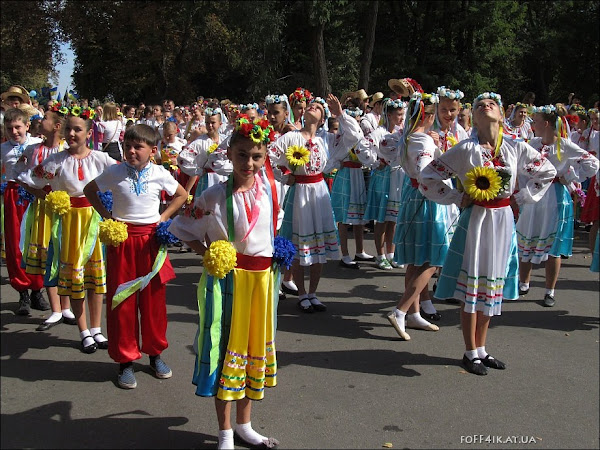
<point x="482" y="183"/>
<point x="59" y="202"/>
<point x="220" y="258"/>
<point x="113" y="232"/>
<point x="297" y="156"/>
<point x="256" y="134"/>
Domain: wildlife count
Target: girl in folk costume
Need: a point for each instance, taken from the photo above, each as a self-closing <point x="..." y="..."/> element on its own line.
<point x="299" y="100"/>
<point x="77" y="251"/>
<point x="195" y="126"/>
<point x="38" y="218"/>
<point x="169" y="148"/>
<point x="15" y="202"/>
<point x="421" y="239"/>
<point x="239" y="220"/>
<point x="518" y="124"/>
<point x="199" y="158"/>
<point x="348" y="193"/>
<point x="278" y="114"/>
<point x="371" y="121"/>
<point x="464" y="117"/>
<point x="251" y="110"/>
<point x="545" y="228"/>
<point x="481" y="265"/>
<point x="385" y="184"/>
<point x="308" y="220"/>
<point x="591" y="210"/>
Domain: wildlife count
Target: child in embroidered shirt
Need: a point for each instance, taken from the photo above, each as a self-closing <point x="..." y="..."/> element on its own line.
<point x="136" y="186"/>
<point x="241" y="362"/>
<point x="78" y="253"/>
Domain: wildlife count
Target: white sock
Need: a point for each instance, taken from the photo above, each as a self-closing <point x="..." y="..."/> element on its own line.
<point x="290" y="285"/>
<point x="347" y="259"/>
<point x="481" y="353"/>
<point x="524" y="286"/>
<point x="246" y="432"/>
<point x="472" y="354"/>
<point x="364" y="255"/>
<point x="313" y="299"/>
<point x="226" y="440"/>
<point x="381" y="257"/>
<point x="428" y="307"/>
<point x="100" y="337"/>
<point x="54" y="317"/>
<point x="389" y="256"/>
<point x="401" y="319"/>
<point x="417" y="319"/>
<point x="550" y="292"/>
<point x="86" y="337"/>
<point x="68" y="314"/>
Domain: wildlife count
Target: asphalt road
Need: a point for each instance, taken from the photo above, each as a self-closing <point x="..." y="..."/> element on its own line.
<point x="345" y="379"/>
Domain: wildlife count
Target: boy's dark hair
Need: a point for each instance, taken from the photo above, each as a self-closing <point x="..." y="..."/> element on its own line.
<point x="13" y="114"/>
<point x="142" y="133"/>
<point x="331" y="121"/>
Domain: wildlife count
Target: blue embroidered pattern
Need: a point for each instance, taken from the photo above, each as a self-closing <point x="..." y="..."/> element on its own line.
<point x="138" y="180"/>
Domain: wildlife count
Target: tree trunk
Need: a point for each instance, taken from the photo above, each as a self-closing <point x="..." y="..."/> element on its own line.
<point x="369" y="43"/>
<point x="319" y="62"/>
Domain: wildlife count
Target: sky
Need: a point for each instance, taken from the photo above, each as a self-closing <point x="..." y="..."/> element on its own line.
<point x="65" y="70"/>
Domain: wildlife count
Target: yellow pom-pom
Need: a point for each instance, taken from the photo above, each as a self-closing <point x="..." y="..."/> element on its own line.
<point x="59" y="202"/>
<point x="113" y="232"/>
<point x="220" y="258"/>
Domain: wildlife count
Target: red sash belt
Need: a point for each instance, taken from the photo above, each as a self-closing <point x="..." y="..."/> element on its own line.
<point x="414" y="183"/>
<point x="497" y="203"/>
<point x="308" y="179"/>
<point x="209" y="171"/>
<point x="253" y="262"/>
<point x="352" y="164"/>
<point x="140" y="230"/>
<point x="80" y="202"/>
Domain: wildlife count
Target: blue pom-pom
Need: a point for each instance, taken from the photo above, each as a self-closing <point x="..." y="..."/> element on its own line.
<point x="24" y="196"/>
<point x="283" y="251"/>
<point x="3" y="187"/>
<point x="163" y="235"/>
<point x="107" y="199"/>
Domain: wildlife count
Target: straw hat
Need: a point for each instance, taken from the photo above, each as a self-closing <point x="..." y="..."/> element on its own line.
<point x="361" y="95"/>
<point x="29" y="109"/>
<point x="376" y="97"/>
<point x="401" y="87"/>
<point x="16" y="91"/>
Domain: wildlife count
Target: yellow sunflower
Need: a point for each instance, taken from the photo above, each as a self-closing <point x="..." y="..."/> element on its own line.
<point x="297" y="156"/>
<point x="212" y="148"/>
<point x="482" y="183"/>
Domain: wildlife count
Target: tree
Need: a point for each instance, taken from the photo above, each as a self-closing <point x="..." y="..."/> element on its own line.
<point x="368" y="44"/>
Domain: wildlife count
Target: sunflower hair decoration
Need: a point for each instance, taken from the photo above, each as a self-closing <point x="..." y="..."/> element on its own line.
<point x="431" y="99"/>
<point x="259" y="131"/>
<point x="592" y="111"/>
<point x="521" y="105"/>
<point x="59" y="108"/>
<point x="443" y="91"/>
<point x="301" y="95"/>
<point x="482" y="183"/>
<point x="78" y="111"/>
<point x="496" y="97"/>
<point x="466" y="106"/>
<point x="297" y="156"/>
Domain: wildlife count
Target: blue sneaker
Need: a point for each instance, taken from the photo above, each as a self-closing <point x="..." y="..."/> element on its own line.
<point x="126" y="378"/>
<point x="160" y="368"/>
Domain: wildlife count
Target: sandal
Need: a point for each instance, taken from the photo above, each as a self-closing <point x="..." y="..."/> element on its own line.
<point x="316" y="304"/>
<point x="88" y="348"/>
<point x="101" y="344"/>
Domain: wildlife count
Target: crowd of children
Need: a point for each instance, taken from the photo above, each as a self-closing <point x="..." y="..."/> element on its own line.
<point x="95" y="197"/>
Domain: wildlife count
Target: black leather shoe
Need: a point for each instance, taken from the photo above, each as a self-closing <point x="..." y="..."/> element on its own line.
<point x="102" y="344"/>
<point x="549" y="300"/>
<point x="435" y="316"/>
<point x="523" y="291"/>
<point x="39" y="302"/>
<point x="473" y="367"/>
<point x="88" y="348"/>
<point x="493" y="363"/>
<point x="70" y="321"/>
<point x="24" y="308"/>
<point x="360" y="258"/>
<point x="349" y="266"/>
<point x="287" y="290"/>
<point x="306" y="308"/>
<point x="44" y="326"/>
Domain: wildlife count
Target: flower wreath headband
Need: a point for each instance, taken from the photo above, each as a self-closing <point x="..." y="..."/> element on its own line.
<point x="354" y="112"/>
<point x="326" y="108"/>
<point x="487" y="95"/>
<point x="74" y="111"/>
<point x="259" y="131"/>
<point x="278" y="100"/>
<point x="249" y="106"/>
<point x="443" y="91"/>
<point x="394" y="104"/>
<point x="301" y="95"/>
<point x="212" y="111"/>
<point x="560" y="125"/>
